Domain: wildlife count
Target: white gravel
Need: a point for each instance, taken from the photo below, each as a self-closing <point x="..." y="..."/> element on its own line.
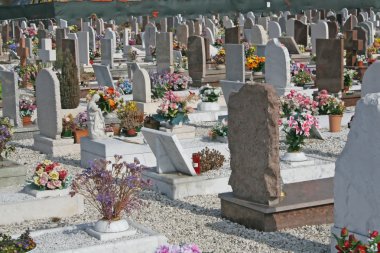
<point x="194" y="219"/>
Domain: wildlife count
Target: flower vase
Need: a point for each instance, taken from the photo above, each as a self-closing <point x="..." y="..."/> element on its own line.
<point x="79" y="133"/>
<point x="335" y="122"/>
<point x="294" y="157"/>
<point x="208" y="106"/>
<point x="360" y="63"/>
<point x="26" y="120"/>
<point x="257" y="73"/>
<point x="67" y="134"/>
<point x="220" y="66"/>
<point x="105" y="226"/>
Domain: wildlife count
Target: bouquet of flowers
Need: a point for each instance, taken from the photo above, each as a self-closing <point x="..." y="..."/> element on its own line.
<point x="162" y="82"/>
<point x="24" y="243"/>
<point x="209" y="94"/>
<point x="125" y="86"/>
<point x="93" y="55"/>
<point x="361" y="58"/>
<point x="81" y="120"/>
<point x="174" y="109"/>
<point x="185" y="248"/>
<point x="68" y="125"/>
<point x="323" y="102"/>
<point x="297" y="128"/>
<point x="335" y="106"/>
<point x="220" y="129"/>
<point x="349" y="75"/>
<point x="26" y="106"/>
<point x="6" y="133"/>
<point x="249" y="50"/>
<point x="109" y="99"/>
<point x="50" y="175"/>
<point x="295" y="102"/>
<point x="11" y="45"/>
<point x="29" y="72"/>
<point x="255" y="63"/>
<point x="301" y="78"/>
<point x="348" y="243"/>
<point x="218" y="43"/>
<point x="130" y="116"/>
<point x="220" y="57"/>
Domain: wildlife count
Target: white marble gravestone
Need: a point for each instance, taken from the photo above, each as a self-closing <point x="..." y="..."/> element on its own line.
<point x="103" y="75"/>
<point x="290" y="27"/>
<point x="182" y="33"/>
<point x="319" y="30"/>
<point x="277" y="66"/>
<point x="62" y="23"/>
<point x="370" y="83"/>
<point x="46" y="53"/>
<point x="110" y="34"/>
<point x="84" y="47"/>
<point x="107" y="55"/>
<point x="274" y="29"/>
<point x="168" y="151"/>
<point x="10" y="96"/>
<point x="164" y="52"/>
<point x="209" y="35"/>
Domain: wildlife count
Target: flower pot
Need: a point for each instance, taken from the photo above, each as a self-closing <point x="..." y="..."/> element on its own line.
<point x="26" y="120"/>
<point x="257" y="73"/>
<point x="67" y="134"/>
<point x="346" y="88"/>
<point x="105" y="226"/>
<point x="116" y="130"/>
<point x="220" y="67"/>
<point x="335" y="122"/>
<point x="294" y="157"/>
<point x="131" y="132"/>
<point x="208" y="106"/>
<point x="79" y="133"/>
<point x="360" y="63"/>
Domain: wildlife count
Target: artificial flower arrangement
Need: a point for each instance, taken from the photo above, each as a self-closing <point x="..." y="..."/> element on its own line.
<point x="50" y="175"/>
<point x="174" y="109"/>
<point x="109" y="99"/>
<point x="297" y="128"/>
<point x="218" y="43"/>
<point x="26" y="106"/>
<point x="6" y="134"/>
<point x="81" y="120"/>
<point x="30" y="33"/>
<point x="301" y="75"/>
<point x="24" y="243"/>
<point x="255" y="63"/>
<point x="295" y="102"/>
<point x="349" y="75"/>
<point x="209" y="94"/>
<point x="73" y="28"/>
<point x="219" y="129"/>
<point x="361" y="58"/>
<point x="11" y="45"/>
<point x="302" y="48"/>
<point x="29" y="72"/>
<point x="68" y="126"/>
<point x="131" y="118"/>
<point x="220" y="57"/>
<point x="163" y="82"/>
<point x="348" y="243"/>
<point x="184" y="248"/>
<point x="335" y="106"/>
<point x="249" y="50"/>
<point x="93" y="54"/>
<point x="180" y="47"/>
<point x="323" y="102"/>
<point x="125" y="86"/>
<point x="371" y="50"/>
<point x="114" y="191"/>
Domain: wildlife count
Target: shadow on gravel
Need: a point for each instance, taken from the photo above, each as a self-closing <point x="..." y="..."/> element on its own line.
<point x="279" y="240"/>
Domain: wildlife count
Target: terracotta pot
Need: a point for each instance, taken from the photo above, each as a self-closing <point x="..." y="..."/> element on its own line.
<point x="26" y="120"/>
<point x="116" y="130"/>
<point x="79" y="133"/>
<point x="346" y="88"/>
<point x="131" y="133"/>
<point x="360" y="63"/>
<point x="335" y="122"/>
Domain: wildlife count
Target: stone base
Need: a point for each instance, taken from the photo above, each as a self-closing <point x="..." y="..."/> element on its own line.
<point x="306" y="203"/>
<point x="27" y="132"/>
<point x="110" y="236"/>
<point x="11" y="173"/>
<point x="178" y="186"/>
<point x="58" y="147"/>
<point x="34" y="209"/>
<point x="208" y="106"/>
<point x="184" y="132"/>
<point x="148" y="108"/>
<point x="46" y="193"/>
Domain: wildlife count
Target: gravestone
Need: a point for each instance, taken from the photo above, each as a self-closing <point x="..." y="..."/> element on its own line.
<point x="232" y="35"/>
<point x="42" y="34"/>
<point x="23" y="52"/>
<point x="60" y="34"/>
<point x="149" y="40"/>
<point x="277" y="66"/>
<point x="62" y="23"/>
<point x="330" y="65"/>
<point x="370" y="35"/>
<point x="263" y="21"/>
<point x="10" y="97"/>
<point x="370" y="83"/>
<point x="84" y="47"/>
<point x="361" y="18"/>
<point x="182" y="33"/>
<point x="318" y="31"/>
<point x="107" y="55"/>
<point x="164" y="25"/>
<point x="135" y="27"/>
<point x="259" y="36"/>
<point x="255" y="173"/>
<point x="235" y="67"/>
<point x="274" y="29"/>
<point x="145" y="21"/>
<point x="141" y="86"/>
<point x="99" y="26"/>
<point x="249" y="23"/>
<point x="190" y="24"/>
<point x="301" y="33"/>
<point x="333" y="29"/>
<point x="209" y="36"/>
<point x="168" y="152"/>
<point x="46" y="53"/>
<point x="228" y="24"/>
<point x="290" y="27"/>
<point x="282" y="22"/>
<point x="197" y="27"/>
<point x="164" y="52"/>
<point x="362" y="34"/>
<point x="70" y="46"/>
<point x="352" y="45"/>
<point x="91" y="37"/>
<point x="110" y="34"/>
<point x="103" y="75"/>
<point x="196" y="58"/>
<point x="170" y="22"/>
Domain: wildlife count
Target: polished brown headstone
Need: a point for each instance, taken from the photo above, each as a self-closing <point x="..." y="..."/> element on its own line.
<point x="301" y="33"/>
<point x="232" y="35"/>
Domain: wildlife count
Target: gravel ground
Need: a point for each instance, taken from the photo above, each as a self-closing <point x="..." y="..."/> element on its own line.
<point x="196" y="219"/>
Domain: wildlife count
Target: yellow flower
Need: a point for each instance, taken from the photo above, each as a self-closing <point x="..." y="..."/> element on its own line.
<point x="36" y="180"/>
<point x="40" y="171"/>
<point x="54" y="175"/>
<point x="46" y="162"/>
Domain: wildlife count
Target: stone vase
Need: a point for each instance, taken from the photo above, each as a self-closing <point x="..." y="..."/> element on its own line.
<point x="208" y="106"/>
<point x="220" y="66"/>
<point x="335" y="122"/>
<point x="105" y="226"/>
<point x="294" y="157"/>
<point x="257" y="73"/>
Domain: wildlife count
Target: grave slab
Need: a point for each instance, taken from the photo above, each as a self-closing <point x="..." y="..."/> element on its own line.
<point x="11" y="173"/>
<point x="55" y="147"/>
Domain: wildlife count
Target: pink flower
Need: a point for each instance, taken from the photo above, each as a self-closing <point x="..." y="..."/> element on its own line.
<point x="57" y="183"/>
<point x="50" y="185"/>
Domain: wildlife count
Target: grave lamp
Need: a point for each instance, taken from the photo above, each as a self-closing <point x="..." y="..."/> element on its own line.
<point x="268" y="4"/>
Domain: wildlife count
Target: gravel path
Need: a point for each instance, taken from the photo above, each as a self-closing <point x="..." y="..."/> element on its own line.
<point x="196" y="219"/>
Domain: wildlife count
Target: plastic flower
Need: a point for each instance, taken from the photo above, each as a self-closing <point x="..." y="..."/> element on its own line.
<point x="54" y="175"/>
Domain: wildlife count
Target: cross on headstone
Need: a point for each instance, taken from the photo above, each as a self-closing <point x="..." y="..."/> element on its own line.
<point x="23" y="52"/>
<point x="352" y="45"/>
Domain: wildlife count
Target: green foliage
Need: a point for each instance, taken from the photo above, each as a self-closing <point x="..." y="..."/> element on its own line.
<point x="23" y="244"/>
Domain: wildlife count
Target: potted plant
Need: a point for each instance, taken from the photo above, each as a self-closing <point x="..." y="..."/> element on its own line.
<point x="249" y="50"/>
<point x="27" y="107"/>
<point x="255" y="64"/>
<point x="112" y="191"/>
<point x="302" y="78"/>
<point x="50" y="175"/>
<point x="323" y="102"/>
<point x="360" y="60"/>
<point x="220" y="59"/>
<point x="209" y="96"/>
<point x="219" y="131"/>
<point x="174" y="109"/>
<point x="336" y="110"/>
<point x="348" y="75"/>
<point x="68" y="126"/>
<point x="297" y="128"/>
<point x="162" y="82"/>
<point x="131" y="118"/>
<point x="24" y="243"/>
<point x="80" y="126"/>
<point x="296" y="102"/>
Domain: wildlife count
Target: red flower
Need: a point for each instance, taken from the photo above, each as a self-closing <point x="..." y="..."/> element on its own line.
<point x="346" y="244"/>
<point x="344" y="232"/>
<point x="49" y="168"/>
<point x="62" y="174"/>
<point x="352" y="238"/>
<point x="361" y="249"/>
<point x="378" y="246"/>
<point x="374" y="234"/>
<point x="91" y="62"/>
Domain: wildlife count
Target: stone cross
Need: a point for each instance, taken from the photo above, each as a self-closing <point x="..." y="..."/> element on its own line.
<point x="352" y="45"/>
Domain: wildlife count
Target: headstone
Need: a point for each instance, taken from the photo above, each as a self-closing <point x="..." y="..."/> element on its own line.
<point x="249" y="23"/>
<point x="107" y="55"/>
<point x="149" y="40"/>
<point x="370" y="30"/>
<point x="330" y="65"/>
<point x="145" y="21"/>
<point x="274" y="29"/>
<point x="209" y="36"/>
<point x="182" y="33"/>
<point x="103" y="75"/>
<point x="164" y="52"/>
<point x="84" y="48"/>
<point x="141" y="86"/>
<point x="62" y="23"/>
<point x="232" y="35"/>
<point x="164" y="25"/>
<point x="318" y="31"/>
<point x="263" y="21"/>
<point x="91" y="37"/>
<point x="352" y="45"/>
<point x="370" y="83"/>
<point x="228" y="24"/>
<point x="60" y="34"/>
<point x="235" y="67"/>
<point x="190" y="24"/>
<point x="290" y="27"/>
<point x="10" y="96"/>
<point x="70" y="46"/>
<point x="23" y="25"/>
<point x="196" y="57"/>
<point x="333" y="29"/>
<point x="197" y="27"/>
<point x="110" y="34"/>
<point x="361" y="18"/>
<point x="23" y="52"/>
<point x="259" y="36"/>
<point x="277" y="66"/>
<point x="42" y="34"/>
<point x="362" y="35"/>
<point x="99" y="26"/>
<point x="282" y="22"/>
<point x="259" y="182"/>
<point x="46" y="54"/>
<point x="301" y="33"/>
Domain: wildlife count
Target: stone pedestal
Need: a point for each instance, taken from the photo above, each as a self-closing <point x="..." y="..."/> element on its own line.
<point x="11" y="173"/>
<point x="58" y="147"/>
<point x="305" y="203"/>
<point x="182" y="132"/>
